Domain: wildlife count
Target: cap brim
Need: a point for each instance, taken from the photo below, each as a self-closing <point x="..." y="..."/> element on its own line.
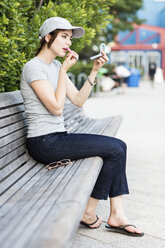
<point x="77" y="32"/>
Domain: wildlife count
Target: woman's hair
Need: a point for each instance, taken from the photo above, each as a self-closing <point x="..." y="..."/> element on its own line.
<point x="43" y="41"/>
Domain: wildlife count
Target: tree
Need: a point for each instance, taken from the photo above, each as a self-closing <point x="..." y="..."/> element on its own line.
<point x="13" y="25"/>
<point x="124" y="14"/>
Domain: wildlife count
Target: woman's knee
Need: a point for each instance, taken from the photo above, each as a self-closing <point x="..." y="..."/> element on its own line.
<point x="120" y="149"/>
<point x="123" y="145"/>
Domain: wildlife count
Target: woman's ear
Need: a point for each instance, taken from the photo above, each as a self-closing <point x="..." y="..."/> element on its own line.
<point x="47" y="38"/>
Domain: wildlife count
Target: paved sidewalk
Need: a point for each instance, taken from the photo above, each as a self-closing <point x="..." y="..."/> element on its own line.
<point x="143" y="129"/>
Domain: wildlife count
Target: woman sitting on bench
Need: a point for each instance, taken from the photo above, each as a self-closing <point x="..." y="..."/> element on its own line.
<point x="44" y="87"/>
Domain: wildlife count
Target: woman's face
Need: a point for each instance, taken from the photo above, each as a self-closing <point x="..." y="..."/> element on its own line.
<point x="61" y="43"/>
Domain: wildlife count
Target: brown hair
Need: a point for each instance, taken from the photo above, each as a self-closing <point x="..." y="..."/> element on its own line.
<point x="44" y="43"/>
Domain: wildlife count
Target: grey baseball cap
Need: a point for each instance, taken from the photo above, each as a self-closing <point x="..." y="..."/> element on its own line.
<point x="54" y="23"/>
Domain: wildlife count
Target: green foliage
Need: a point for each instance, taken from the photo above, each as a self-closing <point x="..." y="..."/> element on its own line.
<point x="13" y="24"/>
<point x="124" y="14"/>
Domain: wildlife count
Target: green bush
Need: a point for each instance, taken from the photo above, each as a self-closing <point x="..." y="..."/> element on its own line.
<point x="13" y="25"/>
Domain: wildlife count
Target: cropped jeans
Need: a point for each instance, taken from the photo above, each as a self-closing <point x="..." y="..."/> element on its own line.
<point x="112" y="179"/>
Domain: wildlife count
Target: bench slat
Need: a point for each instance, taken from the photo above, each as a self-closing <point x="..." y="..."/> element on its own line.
<point x="69" y="111"/>
<point x="73" y="125"/>
<point x="8" y="171"/>
<point x="91" y="126"/>
<point x="4" y="161"/>
<point x="12" y="146"/>
<point x="10" y="98"/>
<point x="11" y="111"/>
<point x="20" y="173"/>
<point x="9" y="130"/>
<point x="9" y="139"/>
<point x="75" y="119"/>
<point x="112" y="129"/>
<point x="12" y="119"/>
<point x="14" y="193"/>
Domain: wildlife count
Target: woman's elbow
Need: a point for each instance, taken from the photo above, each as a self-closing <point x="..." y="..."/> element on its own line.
<point x="56" y="112"/>
<point x="59" y="112"/>
<point x="78" y="102"/>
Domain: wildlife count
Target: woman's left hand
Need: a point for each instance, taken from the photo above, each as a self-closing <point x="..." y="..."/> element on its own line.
<point x="98" y="63"/>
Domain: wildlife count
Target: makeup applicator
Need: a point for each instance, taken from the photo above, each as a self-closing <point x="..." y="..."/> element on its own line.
<point x="74" y="54"/>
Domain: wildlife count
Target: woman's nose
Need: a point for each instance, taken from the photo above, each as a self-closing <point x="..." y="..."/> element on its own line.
<point x="69" y="43"/>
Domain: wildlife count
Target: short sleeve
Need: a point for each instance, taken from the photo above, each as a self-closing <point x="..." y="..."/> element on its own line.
<point x="33" y="71"/>
<point x="57" y="64"/>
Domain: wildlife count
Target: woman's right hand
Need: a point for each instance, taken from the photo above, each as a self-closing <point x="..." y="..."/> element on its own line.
<point x="99" y="62"/>
<point x="69" y="61"/>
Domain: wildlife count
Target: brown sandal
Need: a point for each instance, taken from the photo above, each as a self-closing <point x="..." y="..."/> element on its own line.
<point x="91" y="224"/>
<point x="122" y="230"/>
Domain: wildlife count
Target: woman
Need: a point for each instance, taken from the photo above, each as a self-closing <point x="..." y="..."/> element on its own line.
<point x="44" y="87"/>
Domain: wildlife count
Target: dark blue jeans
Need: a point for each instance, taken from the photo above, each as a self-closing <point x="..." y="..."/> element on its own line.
<point x="112" y="179"/>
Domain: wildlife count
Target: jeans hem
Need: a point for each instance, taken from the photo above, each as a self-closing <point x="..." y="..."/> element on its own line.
<point x="100" y="197"/>
<point x="111" y="196"/>
<point x="117" y="194"/>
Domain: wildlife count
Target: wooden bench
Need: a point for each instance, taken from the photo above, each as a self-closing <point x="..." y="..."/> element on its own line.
<point x="41" y="208"/>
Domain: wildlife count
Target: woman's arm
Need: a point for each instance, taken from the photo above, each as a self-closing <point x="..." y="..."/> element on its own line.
<point x="79" y="97"/>
<point x="54" y="100"/>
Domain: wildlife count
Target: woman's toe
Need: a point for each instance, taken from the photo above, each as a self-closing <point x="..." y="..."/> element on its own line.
<point x="133" y="229"/>
<point x="97" y="224"/>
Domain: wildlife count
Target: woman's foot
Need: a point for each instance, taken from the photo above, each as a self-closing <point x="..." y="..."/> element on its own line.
<point x="91" y="221"/>
<point x="116" y="220"/>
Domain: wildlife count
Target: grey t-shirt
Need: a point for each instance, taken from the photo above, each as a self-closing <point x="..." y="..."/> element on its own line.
<point x="40" y="120"/>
